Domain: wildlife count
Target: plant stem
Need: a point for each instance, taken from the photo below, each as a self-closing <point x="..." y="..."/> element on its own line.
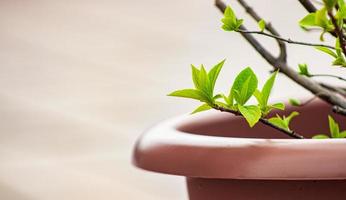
<point x="338" y="110"/>
<point x="268" y="27"/>
<point x="285" y="40"/>
<point x="338" y="32"/>
<point x="327" y="75"/>
<point x="263" y="121"/>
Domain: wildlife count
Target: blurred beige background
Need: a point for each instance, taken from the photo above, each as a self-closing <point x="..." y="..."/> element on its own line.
<point x="80" y="80"/>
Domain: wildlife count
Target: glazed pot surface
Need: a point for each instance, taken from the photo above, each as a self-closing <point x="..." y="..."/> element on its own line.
<point x="224" y="189"/>
<point x="223" y="158"/>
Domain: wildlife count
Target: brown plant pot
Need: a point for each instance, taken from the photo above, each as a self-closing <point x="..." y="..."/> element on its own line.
<point x="222" y="158"/>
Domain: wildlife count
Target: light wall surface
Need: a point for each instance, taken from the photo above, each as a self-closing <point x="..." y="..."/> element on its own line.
<point x="80" y="80"/>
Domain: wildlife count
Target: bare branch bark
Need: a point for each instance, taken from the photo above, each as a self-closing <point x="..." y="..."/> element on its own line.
<point x="338" y="110"/>
<point x="308" y="5"/>
<point x="268" y="27"/>
<point x="336" y="89"/>
<point x="264" y="121"/>
<point x="305" y="82"/>
<point x="338" y="31"/>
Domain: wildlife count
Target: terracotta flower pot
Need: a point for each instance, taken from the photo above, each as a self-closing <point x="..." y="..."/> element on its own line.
<point x="222" y="158"/>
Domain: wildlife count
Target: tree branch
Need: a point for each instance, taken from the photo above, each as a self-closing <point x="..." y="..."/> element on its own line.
<point x="305" y="82"/>
<point x="286" y="40"/>
<point x="263" y="121"/>
<point x="338" y="31"/>
<point x="268" y="27"/>
<point x="338" y="110"/>
<point x="308" y="5"/>
<point x="334" y="88"/>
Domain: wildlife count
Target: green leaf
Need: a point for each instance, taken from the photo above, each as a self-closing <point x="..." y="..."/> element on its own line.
<point x="342" y="134"/>
<point x="190" y="93"/>
<point x="278" y="121"/>
<point x="230" y="21"/>
<point x="195" y="76"/>
<point x="279" y="106"/>
<point x="294" y="102"/>
<point x="262" y="25"/>
<point x="251" y="113"/>
<point x="327" y="51"/>
<point x="218" y="96"/>
<point x="283" y="122"/>
<point x="204" y="80"/>
<point x="320" y="136"/>
<point x="303" y="70"/>
<point x="308" y="21"/>
<point x="329" y="4"/>
<point x="214" y="73"/>
<point x="244" y="86"/>
<point x="267" y="88"/>
<point x="258" y="96"/>
<point x="290" y="117"/>
<point x="321" y="18"/>
<point x="333" y="127"/>
<point x="340" y="61"/>
<point x="341" y="12"/>
<point x="201" y="108"/>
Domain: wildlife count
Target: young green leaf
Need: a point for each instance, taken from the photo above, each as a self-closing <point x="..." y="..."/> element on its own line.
<point x="321" y="19"/>
<point x="204" y="81"/>
<point x="201" y="108"/>
<point x="214" y="73"/>
<point x="195" y="77"/>
<point x="303" y="70"/>
<point x="327" y="51"/>
<point x="342" y="134"/>
<point x="308" y="21"/>
<point x="329" y="4"/>
<point x="320" y="136"/>
<point x="190" y="93"/>
<point x="284" y="121"/>
<point x="290" y="117"/>
<point x="251" y="113"/>
<point x="333" y="127"/>
<point x="278" y="121"/>
<point x="262" y="25"/>
<point x="244" y="86"/>
<point x="294" y="102"/>
<point x="279" y="106"/>
<point x="230" y="21"/>
<point x="267" y="88"/>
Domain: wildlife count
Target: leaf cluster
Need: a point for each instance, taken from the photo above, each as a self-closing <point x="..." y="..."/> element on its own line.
<point x="320" y="19"/>
<point x="230" y="21"/>
<point x="243" y="88"/>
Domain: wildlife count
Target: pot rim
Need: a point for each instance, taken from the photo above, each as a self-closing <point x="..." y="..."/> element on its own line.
<point x="166" y="149"/>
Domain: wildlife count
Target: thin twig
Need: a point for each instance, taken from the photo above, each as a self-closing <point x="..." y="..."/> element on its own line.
<point x="264" y="121"/>
<point x="268" y="27"/>
<point x="328" y="75"/>
<point x="311" y="85"/>
<point x="339" y="110"/>
<point x="286" y="40"/>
